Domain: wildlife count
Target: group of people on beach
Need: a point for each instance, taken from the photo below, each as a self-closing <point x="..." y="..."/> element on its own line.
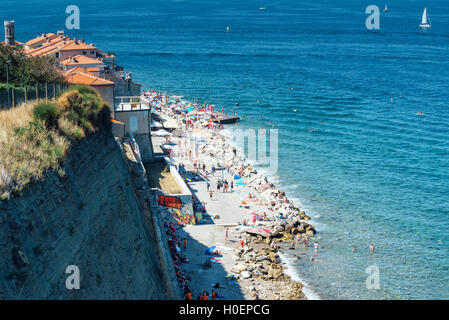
<point x="175" y="243"/>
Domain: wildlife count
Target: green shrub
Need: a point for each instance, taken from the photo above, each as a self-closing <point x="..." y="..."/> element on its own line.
<point x="85" y="90"/>
<point x="47" y="112"/>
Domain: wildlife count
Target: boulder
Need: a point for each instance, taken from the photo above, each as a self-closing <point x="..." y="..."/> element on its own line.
<point x="274" y="257"/>
<point x="262" y="258"/>
<point x="257" y="232"/>
<point x="274" y="273"/>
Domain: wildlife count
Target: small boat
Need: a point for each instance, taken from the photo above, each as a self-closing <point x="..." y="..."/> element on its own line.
<point x="386" y="8"/>
<point x="262" y="8"/>
<point x="425" y="21"/>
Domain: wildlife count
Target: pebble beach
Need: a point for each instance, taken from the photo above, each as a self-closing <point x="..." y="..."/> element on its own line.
<point x="260" y="220"/>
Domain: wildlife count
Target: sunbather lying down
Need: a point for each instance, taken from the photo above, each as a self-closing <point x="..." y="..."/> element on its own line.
<point x="216" y="252"/>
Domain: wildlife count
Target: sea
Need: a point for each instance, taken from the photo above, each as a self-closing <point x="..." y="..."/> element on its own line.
<point x="361" y="116"/>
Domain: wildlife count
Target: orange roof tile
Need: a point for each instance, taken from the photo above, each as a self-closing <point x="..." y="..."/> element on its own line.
<point x="41" y="38"/>
<point x="80" y="59"/>
<point x="84" y="78"/>
<point x="77" y="46"/>
<point x="48" y="47"/>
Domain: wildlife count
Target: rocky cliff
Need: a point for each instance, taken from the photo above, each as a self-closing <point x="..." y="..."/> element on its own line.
<point x="88" y="216"/>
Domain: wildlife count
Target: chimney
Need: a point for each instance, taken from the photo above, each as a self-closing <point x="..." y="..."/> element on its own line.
<point x="9" y="33"/>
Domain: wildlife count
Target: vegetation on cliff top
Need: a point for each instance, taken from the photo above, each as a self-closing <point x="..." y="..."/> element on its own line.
<point x="35" y="137"/>
<point x="25" y="70"/>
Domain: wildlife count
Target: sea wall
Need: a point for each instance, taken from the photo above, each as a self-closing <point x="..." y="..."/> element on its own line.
<point x="88" y="216"/>
<point x="185" y="213"/>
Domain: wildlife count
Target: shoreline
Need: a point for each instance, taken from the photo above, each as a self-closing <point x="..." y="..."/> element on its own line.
<point x="256" y="264"/>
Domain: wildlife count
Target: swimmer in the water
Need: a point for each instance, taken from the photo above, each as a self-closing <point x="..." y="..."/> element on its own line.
<point x="371" y="248"/>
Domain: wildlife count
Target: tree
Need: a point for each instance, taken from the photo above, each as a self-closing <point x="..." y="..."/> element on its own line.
<point x="25" y="70"/>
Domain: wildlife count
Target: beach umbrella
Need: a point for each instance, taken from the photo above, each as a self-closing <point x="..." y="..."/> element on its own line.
<point x="237" y="177"/>
<point x="209" y="250"/>
<point x="190" y="108"/>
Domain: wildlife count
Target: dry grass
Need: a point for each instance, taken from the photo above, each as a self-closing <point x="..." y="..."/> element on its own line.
<point x="28" y="147"/>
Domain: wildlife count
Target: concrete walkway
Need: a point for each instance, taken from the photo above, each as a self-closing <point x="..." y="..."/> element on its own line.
<point x="231" y="213"/>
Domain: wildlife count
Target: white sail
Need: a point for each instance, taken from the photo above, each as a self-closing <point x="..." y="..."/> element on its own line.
<point x="424" y="17"/>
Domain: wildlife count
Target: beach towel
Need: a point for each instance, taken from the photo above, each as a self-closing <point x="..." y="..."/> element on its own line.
<point x="240" y="183"/>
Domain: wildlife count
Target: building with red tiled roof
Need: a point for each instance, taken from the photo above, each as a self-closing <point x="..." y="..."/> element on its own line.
<point x="82" y="61"/>
<point x="40" y="40"/>
<point x="60" y="45"/>
<point x="82" y="76"/>
<point x="76" y="47"/>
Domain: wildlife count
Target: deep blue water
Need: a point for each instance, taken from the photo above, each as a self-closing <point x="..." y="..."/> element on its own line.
<point x="371" y="171"/>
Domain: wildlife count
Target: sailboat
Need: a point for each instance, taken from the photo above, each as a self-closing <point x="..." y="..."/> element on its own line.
<point x="386" y="8"/>
<point x="425" y="22"/>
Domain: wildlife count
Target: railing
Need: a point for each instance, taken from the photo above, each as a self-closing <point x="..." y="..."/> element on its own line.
<point x="130" y="103"/>
<point x="18" y="95"/>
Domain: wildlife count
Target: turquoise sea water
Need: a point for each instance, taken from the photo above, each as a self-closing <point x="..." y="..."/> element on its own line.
<point x="371" y="171"/>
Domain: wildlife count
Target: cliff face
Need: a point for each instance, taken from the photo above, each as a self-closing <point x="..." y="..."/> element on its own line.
<point x="90" y="218"/>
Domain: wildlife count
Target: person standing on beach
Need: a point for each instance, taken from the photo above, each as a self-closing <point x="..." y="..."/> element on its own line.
<point x="227" y="233"/>
<point x="254" y="294"/>
<point x="232" y="186"/>
<point x="242" y="243"/>
<point x="210" y="194"/>
<point x="207" y="185"/>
